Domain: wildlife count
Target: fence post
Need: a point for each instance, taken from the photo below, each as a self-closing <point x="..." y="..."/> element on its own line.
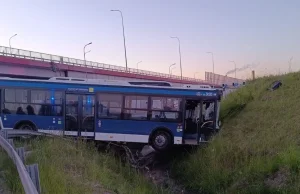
<point x="33" y="172"/>
<point x="21" y="153"/>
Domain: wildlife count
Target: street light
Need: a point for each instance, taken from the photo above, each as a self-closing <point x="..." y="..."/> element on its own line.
<point x="170" y="68"/>
<point x="179" y="55"/>
<point x="195" y="75"/>
<point x="137" y="65"/>
<point x="123" y="36"/>
<point x="212" y="57"/>
<point x="85" y="52"/>
<point x="10" y="39"/>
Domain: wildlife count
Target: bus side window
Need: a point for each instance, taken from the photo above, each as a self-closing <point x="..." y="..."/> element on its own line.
<point x="165" y="109"/>
<point x="136" y="107"/>
<point x="110" y="105"/>
<point x="15" y="100"/>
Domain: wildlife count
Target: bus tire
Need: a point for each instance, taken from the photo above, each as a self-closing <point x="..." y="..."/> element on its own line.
<point x="25" y="125"/>
<point x="161" y="140"/>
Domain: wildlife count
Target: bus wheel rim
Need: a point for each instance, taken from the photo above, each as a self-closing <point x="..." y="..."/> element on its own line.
<point x="160" y="140"/>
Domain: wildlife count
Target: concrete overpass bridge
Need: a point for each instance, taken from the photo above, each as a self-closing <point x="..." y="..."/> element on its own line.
<point x="30" y="64"/>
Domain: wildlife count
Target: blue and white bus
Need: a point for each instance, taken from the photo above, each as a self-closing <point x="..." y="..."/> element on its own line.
<point x="108" y="110"/>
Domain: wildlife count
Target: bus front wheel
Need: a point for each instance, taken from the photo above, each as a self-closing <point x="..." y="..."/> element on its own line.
<point x="161" y="140"/>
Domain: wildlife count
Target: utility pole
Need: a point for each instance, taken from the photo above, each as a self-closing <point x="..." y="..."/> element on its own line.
<point x="179" y="55"/>
<point x="123" y="36"/>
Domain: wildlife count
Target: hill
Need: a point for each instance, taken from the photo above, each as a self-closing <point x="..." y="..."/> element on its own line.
<point x="258" y="148"/>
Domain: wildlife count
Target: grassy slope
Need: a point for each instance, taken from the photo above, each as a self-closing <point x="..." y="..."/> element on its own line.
<point x="258" y="149"/>
<point x="67" y="168"/>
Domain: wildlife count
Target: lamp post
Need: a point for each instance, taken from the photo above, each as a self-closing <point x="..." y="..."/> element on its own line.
<point x="179" y="55"/>
<point x="123" y="36"/>
<point x="137" y="65"/>
<point x="9" y="41"/>
<point x="170" y="72"/>
<point x="84" y="53"/>
<point x="213" y="62"/>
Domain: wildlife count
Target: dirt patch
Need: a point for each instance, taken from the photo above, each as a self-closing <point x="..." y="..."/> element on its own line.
<point x="279" y="179"/>
<point x="160" y="176"/>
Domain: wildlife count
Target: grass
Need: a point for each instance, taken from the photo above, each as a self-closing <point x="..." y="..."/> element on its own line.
<point x="258" y="148"/>
<point x="67" y="167"/>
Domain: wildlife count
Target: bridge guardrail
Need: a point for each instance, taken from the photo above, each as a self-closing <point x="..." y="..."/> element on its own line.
<point x="26" y="180"/>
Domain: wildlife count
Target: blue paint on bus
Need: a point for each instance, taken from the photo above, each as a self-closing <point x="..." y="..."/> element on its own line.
<point x="41" y="122"/>
<point x="134" y="127"/>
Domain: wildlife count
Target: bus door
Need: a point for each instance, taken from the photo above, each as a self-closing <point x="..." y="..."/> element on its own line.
<point x="192" y="122"/>
<point x="208" y="119"/>
<point x="80" y="115"/>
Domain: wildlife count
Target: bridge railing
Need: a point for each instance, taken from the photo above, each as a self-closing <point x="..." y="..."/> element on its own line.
<point x="19" y="53"/>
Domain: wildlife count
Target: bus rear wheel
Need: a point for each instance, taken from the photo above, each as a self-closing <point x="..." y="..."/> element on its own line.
<point x="26" y="126"/>
<point x="161" y="140"/>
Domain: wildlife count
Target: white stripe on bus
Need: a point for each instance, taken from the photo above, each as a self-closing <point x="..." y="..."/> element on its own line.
<point x="109" y="136"/>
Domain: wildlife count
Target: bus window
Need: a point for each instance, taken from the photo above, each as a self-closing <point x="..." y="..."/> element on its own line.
<point x="46" y="102"/>
<point x="110" y="105"/>
<point x="16" y="95"/>
<point x="40" y="103"/>
<point x="165" y="109"/>
<point x="15" y="101"/>
<point x="136" y="107"/>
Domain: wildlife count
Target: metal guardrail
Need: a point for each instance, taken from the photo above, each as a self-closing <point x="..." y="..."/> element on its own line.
<point x="19" y="53"/>
<point x="27" y="174"/>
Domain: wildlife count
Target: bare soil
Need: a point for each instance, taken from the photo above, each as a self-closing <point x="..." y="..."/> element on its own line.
<point x="279" y="179"/>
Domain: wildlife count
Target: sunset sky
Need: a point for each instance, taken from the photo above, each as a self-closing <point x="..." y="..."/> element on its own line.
<point x="265" y="33"/>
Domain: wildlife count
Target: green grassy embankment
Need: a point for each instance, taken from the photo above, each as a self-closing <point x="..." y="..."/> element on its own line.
<point x="258" y="149"/>
<point x="69" y="168"/>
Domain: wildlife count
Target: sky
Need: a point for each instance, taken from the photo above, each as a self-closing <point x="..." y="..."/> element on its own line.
<point x="264" y="34"/>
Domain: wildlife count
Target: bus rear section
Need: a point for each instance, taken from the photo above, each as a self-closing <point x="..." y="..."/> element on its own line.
<point x="155" y="120"/>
